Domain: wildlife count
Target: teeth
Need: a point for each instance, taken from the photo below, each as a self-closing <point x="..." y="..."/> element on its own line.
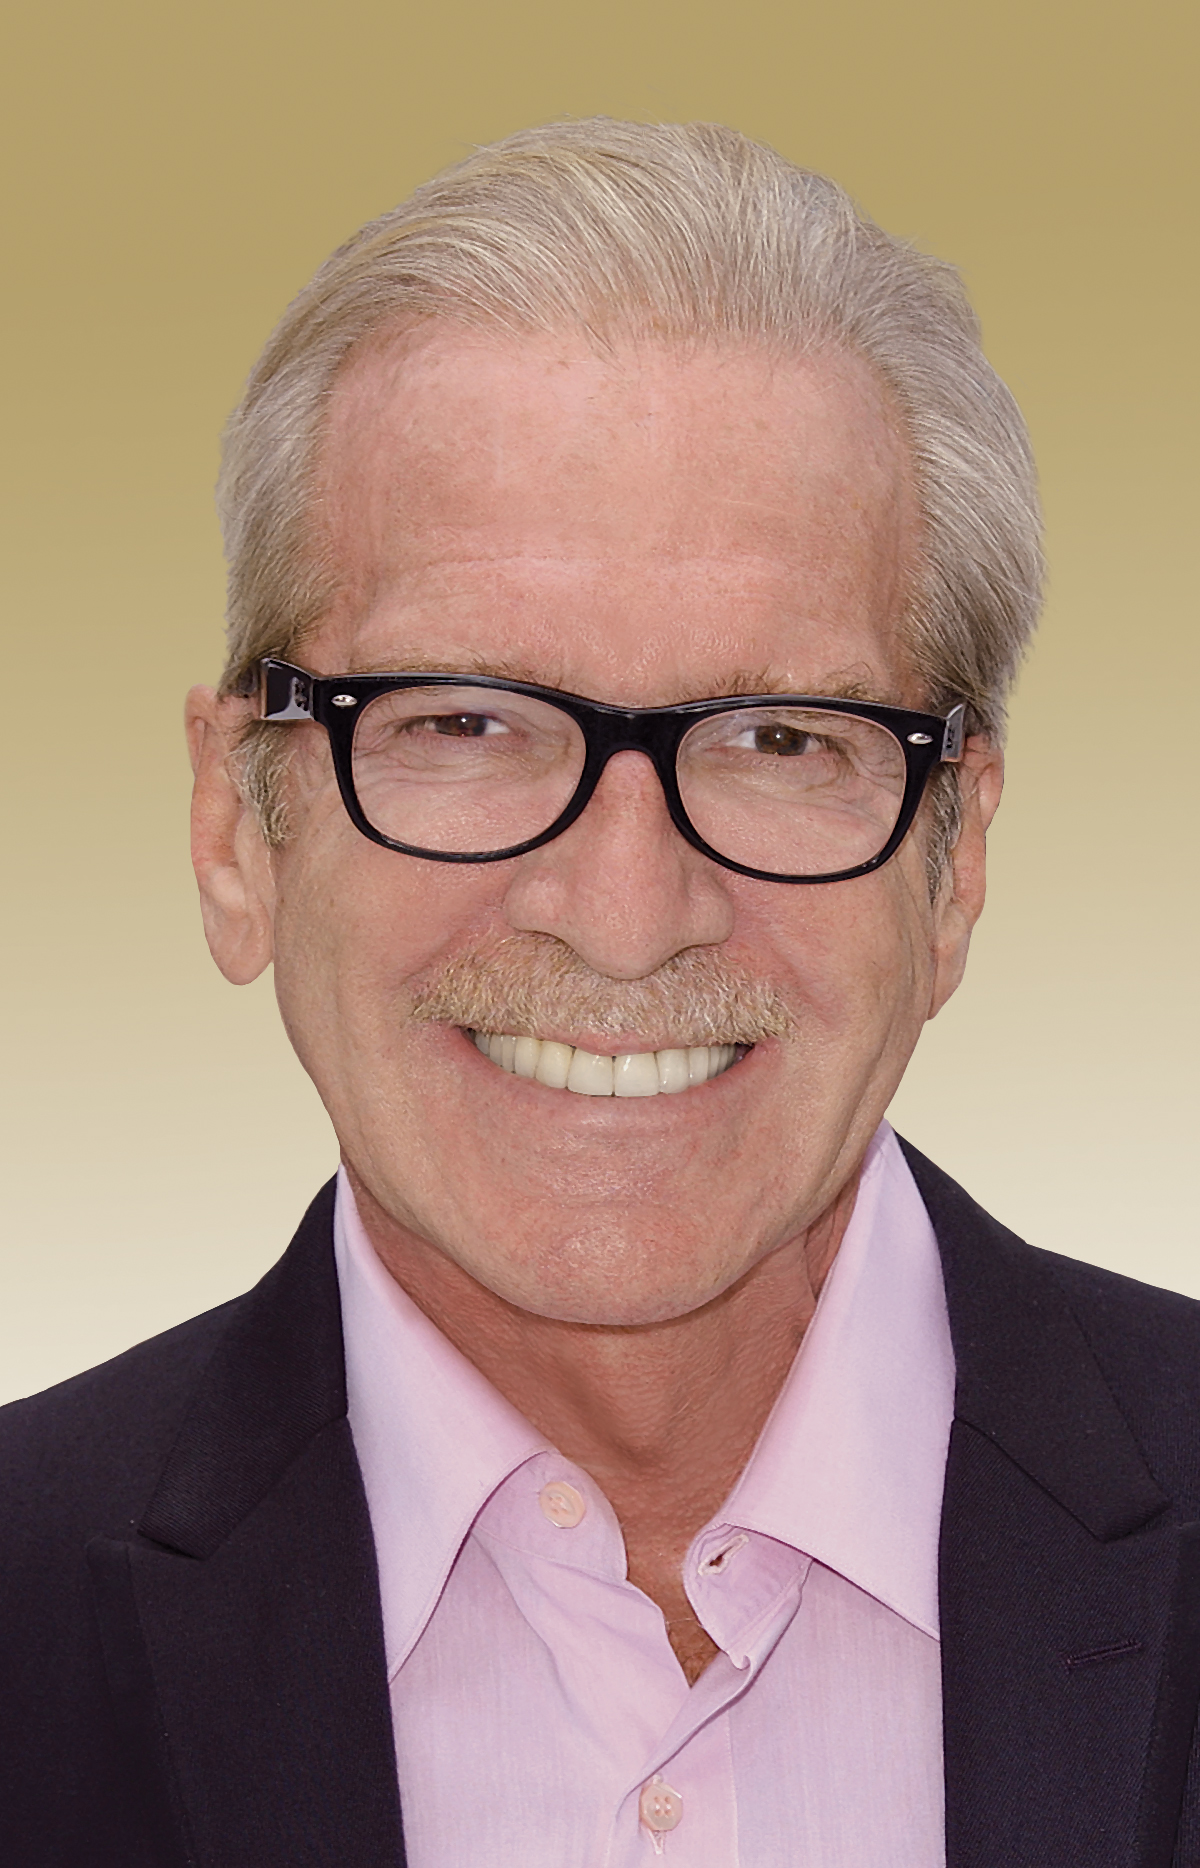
<point x="590" y="1075"/>
<point x="700" y="1061"/>
<point x="636" y="1074"/>
<point x="673" y="1073"/>
<point x="525" y="1057"/>
<point x="633" y="1073"/>
<point x="554" y="1064"/>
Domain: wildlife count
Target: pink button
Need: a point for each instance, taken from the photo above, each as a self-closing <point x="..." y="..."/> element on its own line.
<point x="562" y="1504"/>
<point x="660" y="1807"/>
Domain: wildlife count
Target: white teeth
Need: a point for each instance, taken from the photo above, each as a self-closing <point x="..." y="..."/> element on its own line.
<point x="554" y="1064"/>
<point x="588" y="1073"/>
<point x="635" y="1073"/>
<point x="672" y="1071"/>
<point x="525" y="1057"/>
<point x="700" y="1062"/>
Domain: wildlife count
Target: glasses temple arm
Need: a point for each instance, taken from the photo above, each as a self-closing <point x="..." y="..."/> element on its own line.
<point x="286" y="692"/>
<point x="953" y="735"/>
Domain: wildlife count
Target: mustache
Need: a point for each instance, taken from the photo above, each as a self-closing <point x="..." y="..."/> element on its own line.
<point x="529" y="984"/>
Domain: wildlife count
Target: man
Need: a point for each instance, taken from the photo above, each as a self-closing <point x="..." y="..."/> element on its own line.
<point x="639" y="1452"/>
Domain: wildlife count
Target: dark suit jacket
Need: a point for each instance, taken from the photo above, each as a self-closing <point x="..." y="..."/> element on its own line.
<point x="191" y="1655"/>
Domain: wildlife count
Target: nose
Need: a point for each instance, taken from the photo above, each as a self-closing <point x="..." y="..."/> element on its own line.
<point x="621" y="886"/>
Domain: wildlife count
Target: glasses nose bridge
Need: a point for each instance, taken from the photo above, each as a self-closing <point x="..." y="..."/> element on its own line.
<point x="648" y="731"/>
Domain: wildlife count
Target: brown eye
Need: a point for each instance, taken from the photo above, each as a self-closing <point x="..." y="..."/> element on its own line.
<point x="778" y="737"/>
<point x="460" y="725"/>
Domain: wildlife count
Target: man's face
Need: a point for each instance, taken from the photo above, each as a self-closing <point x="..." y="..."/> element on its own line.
<point x="656" y="526"/>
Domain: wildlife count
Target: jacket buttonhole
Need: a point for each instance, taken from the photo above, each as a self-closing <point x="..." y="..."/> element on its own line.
<point x="1094" y="1656"/>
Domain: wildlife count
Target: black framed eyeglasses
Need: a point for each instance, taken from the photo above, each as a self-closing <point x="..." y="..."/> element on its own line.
<point x="475" y="769"/>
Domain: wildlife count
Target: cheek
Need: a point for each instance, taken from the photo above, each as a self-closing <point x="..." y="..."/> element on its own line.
<point x="355" y="925"/>
<point x="855" y="961"/>
<point x="855" y="966"/>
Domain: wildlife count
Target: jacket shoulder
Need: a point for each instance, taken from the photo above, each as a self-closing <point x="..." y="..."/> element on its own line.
<point x="88" y="1453"/>
<point x="93" y="1445"/>
<point x="183" y="1426"/>
<point x="1145" y="1340"/>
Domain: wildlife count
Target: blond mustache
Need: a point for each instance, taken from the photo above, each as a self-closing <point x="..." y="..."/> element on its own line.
<point x="530" y="984"/>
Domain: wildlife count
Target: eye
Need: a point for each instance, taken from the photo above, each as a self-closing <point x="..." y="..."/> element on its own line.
<point x="778" y="736"/>
<point x="456" y="725"/>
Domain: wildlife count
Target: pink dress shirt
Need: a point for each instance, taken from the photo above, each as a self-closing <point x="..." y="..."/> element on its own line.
<point x="541" y="1718"/>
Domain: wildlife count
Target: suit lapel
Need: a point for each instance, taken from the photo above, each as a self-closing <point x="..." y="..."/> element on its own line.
<point x="242" y="1626"/>
<point x="1058" y="1568"/>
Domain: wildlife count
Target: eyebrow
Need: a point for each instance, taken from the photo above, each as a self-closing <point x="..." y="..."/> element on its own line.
<point x="741" y="683"/>
<point x="837" y="685"/>
<point x="499" y="668"/>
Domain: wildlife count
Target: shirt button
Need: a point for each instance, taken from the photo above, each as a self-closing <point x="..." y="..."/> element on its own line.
<point x="562" y="1504"/>
<point x="659" y="1807"/>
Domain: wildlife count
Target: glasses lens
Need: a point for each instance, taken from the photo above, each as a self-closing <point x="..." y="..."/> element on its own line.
<point x="791" y="790"/>
<point x="464" y="770"/>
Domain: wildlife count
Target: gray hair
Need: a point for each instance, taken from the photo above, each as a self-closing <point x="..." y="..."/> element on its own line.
<point x="679" y="232"/>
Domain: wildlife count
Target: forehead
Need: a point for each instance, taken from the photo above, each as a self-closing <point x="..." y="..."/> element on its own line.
<point x="655" y="515"/>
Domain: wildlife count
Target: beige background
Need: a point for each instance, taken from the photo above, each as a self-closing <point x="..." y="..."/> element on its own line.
<point x="175" y="172"/>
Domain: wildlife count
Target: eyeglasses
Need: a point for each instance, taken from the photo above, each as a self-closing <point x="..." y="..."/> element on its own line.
<point x="782" y="787"/>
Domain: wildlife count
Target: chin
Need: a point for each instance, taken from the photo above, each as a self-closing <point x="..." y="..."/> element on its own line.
<point x="611" y="1275"/>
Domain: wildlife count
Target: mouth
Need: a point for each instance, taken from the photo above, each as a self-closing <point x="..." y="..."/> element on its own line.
<point x="589" y="1073"/>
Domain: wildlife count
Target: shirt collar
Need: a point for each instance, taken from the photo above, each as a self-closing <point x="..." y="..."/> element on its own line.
<point x="851" y="1464"/>
<point x="433" y="1437"/>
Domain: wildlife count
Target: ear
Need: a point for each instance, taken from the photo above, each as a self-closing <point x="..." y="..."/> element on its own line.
<point x="230" y="858"/>
<point x="959" y="902"/>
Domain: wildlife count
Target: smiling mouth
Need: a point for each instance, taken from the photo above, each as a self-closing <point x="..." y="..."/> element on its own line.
<point x="587" y="1073"/>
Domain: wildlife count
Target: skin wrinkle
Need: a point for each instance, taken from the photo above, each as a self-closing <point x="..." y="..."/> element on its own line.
<point x="359" y="515"/>
<point x="634" y="1275"/>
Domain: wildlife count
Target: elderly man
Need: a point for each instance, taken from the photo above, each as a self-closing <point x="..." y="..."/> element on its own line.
<point x="639" y="1452"/>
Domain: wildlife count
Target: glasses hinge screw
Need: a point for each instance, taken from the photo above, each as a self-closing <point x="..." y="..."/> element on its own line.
<point x="920" y="739"/>
<point x="345" y="700"/>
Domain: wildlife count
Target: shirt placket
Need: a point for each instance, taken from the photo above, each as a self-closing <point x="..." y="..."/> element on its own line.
<point x="556" y="1541"/>
<point x="683" y="1808"/>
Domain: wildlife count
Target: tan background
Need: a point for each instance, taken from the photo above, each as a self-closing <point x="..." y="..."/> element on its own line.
<point x="175" y="173"/>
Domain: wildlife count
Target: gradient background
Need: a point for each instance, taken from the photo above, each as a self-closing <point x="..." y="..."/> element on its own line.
<point x="174" y="173"/>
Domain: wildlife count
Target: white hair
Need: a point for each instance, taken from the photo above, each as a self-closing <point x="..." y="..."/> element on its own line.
<point x="629" y="231"/>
